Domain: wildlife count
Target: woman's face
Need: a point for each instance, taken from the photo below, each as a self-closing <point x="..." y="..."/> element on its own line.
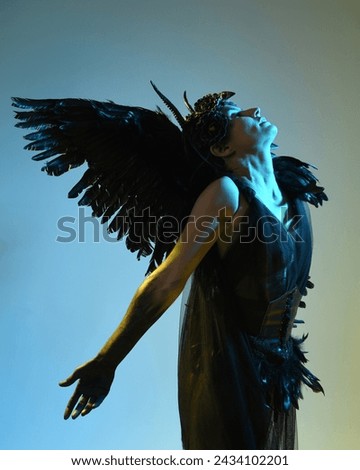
<point x="249" y="131"/>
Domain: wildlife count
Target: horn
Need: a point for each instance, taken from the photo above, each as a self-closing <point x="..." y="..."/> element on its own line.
<point x="225" y="95"/>
<point x="188" y="105"/>
<point x="169" y="104"/>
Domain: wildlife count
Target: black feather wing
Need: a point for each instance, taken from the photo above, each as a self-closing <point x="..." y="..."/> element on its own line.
<point x="297" y="180"/>
<point x="136" y="180"/>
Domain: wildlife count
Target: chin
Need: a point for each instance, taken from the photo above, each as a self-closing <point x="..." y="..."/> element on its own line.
<point x="271" y="131"/>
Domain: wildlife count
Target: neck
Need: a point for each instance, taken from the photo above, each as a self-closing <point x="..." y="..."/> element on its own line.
<point x="257" y="169"/>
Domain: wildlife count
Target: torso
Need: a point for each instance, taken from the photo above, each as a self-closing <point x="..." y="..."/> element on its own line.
<point x="229" y="229"/>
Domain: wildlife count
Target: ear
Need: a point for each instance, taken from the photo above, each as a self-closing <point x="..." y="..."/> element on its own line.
<point x="221" y="150"/>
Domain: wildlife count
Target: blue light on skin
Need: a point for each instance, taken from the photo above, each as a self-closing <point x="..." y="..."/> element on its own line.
<point x="247" y="154"/>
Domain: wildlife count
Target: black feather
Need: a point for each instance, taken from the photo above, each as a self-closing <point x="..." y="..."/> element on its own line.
<point x="282" y="372"/>
<point x="296" y="180"/>
<point x="134" y="159"/>
<point x="137" y="165"/>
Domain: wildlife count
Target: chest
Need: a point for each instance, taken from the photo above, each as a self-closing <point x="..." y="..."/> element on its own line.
<point x="255" y="221"/>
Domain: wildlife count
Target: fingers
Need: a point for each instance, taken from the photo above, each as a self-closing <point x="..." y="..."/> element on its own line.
<point x="71" y="404"/>
<point x="91" y="390"/>
<point x="70" y="380"/>
<point x="98" y="401"/>
<point x="92" y="403"/>
<point x="80" y="407"/>
<point x="84" y="405"/>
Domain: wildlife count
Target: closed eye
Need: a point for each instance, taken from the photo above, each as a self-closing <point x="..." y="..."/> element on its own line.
<point x="244" y="113"/>
<point x="239" y="114"/>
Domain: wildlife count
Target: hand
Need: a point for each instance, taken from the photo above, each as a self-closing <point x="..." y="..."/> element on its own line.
<point x="95" y="379"/>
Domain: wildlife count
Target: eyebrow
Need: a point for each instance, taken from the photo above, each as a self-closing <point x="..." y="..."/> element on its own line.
<point x="236" y="112"/>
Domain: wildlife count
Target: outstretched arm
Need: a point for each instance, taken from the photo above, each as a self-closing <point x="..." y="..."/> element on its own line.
<point x="154" y="296"/>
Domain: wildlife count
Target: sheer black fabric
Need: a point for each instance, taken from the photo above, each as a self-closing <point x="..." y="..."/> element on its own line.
<point x="240" y="370"/>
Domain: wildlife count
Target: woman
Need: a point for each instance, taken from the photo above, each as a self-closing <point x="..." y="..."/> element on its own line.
<point x="247" y="244"/>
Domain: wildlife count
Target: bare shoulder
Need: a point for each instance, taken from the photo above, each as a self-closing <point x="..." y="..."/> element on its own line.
<point x="221" y="193"/>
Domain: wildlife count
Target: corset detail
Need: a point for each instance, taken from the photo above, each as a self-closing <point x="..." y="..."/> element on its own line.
<point x="279" y="318"/>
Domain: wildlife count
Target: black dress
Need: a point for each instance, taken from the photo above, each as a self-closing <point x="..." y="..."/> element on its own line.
<point x="240" y="370"/>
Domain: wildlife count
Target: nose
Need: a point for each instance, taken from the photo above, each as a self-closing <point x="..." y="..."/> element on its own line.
<point x="253" y="112"/>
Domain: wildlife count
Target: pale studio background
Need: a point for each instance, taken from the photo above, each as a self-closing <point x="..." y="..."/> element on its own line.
<point x="299" y="61"/>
